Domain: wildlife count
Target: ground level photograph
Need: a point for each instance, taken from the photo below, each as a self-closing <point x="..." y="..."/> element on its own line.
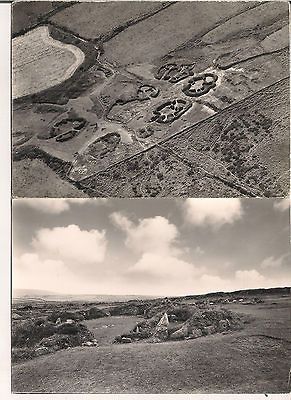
<point x="151" y="296"/>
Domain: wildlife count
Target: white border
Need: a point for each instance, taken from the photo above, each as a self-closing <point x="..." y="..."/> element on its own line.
<point x="5" y="211"/>
<point x="5" y="233"/>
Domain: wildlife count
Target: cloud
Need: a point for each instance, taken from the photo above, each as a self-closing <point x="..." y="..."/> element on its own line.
<point x="250" y="279"/>
<point x="162" y="275"/>
<point x="71" y="243"/>
<point x="276" y="265"/>
<point x="154" y="235"/>
<point x="57" y="206"/>
<point x="272" y="262"/>
<point x="121" y="221"/>
<point x="212" y="212"/>
<point x="159" y="270"/>
<point x="282" y="205"/>
<point x="163" y="267"/>
<point x="30" y="272"/>
<point x="199" y="251"/>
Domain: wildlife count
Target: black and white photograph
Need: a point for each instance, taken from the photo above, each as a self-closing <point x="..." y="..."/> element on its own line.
<point x="145" y="237"/>
<point x="150" y="99"/>
<point x="151" y="296"/>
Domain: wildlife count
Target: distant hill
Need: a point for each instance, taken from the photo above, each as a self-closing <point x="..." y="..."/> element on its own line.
<point x="47" y="296"/>
<point x="239" y="293"/>
<point x="44" y="295"/>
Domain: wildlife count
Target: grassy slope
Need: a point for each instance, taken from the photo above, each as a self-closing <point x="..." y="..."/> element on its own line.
<point x="91" y="20"/>
<point x="149" y="39"/>
<point x="234" y="363"/>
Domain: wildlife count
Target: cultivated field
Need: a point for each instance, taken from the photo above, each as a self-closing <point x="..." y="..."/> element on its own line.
<point x="53" y="62"/>
<point x="151" y="77"/>
<point x="254" y="359"/>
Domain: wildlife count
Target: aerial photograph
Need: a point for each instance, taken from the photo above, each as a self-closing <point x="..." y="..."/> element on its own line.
<point x="151" y="296"/>
<point x="150" y="99"/>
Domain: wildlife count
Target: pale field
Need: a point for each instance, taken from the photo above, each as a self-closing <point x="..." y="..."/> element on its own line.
<point x="40" y="62"/>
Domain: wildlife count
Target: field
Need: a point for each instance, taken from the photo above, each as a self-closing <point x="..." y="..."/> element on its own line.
<point x="252" y="360"/>
<point x="150" y="78"/>
<point x="107" y="19"/>
<point x="53" y="62"/>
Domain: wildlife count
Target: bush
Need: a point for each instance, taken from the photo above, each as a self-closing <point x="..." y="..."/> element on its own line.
<point x="22" y="354"/>
<point x="67" y="329"/>
<point x="60" y="341"/>
<point x="29" y="333"/>
<point x="95" y="312"/>
<point x="64" y="315"/>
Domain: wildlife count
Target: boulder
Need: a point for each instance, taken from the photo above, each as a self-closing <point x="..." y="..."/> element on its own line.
<point x="181" y="333"/>
<point x="126" y="340"/>
<point x="223" y="325"/>
<point x="16" y="316"/>
<point x="40" y="351"/>
<point x="195" y="333"/>
<point x="173" y="318"/>
<point x="209" y="330"/>
<point x="161" y="330"/>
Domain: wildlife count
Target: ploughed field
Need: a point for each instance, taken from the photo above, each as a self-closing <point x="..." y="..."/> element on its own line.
<point x="254" y="359"/>
<point x="52" y="61"/>
<point x="101" y="113"/>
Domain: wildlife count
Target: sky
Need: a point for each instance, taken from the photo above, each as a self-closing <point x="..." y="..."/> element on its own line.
<point x="156" y="247"/>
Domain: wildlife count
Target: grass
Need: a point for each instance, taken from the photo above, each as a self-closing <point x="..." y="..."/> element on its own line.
<point x="93" y="21"/>
<point x="240" y="362"/>
<point x="150" y="39"/>
<point x="106" y="329"/>
<point x="33" y="178"/>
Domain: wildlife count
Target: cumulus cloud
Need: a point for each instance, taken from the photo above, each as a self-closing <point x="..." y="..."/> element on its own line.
<point x="282" y="205"/>
<point x="250" y="279"/>
<point x="159" y="270"/>
<point x="57" y="206"/>
<point x="272" y="262"/>
<point x="276" y="265"/>
<point x="159" y="274"/>
<point x="212" y="212"/>
<point x="242" y="279"/>
<point x="164" y="267"/>
<point x="154" y="235"/>
<point x="71" y="243"/>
